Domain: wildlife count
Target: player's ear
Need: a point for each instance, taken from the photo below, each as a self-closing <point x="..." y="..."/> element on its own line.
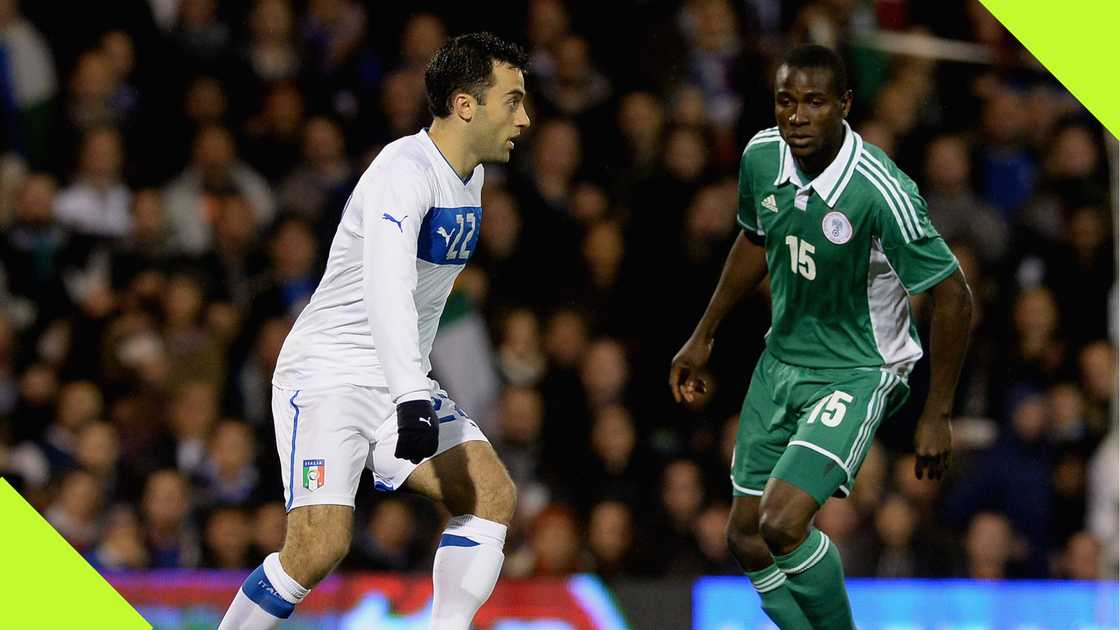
<point x="463" y="105"/>
<point x="845" y="103"/>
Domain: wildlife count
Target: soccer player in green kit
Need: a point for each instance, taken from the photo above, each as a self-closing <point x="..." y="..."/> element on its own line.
<point x="846" y="240"/>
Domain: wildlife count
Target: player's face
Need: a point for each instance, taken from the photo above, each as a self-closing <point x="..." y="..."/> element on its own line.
<point x="503" y="115"/>
<point x="809" y="114"/>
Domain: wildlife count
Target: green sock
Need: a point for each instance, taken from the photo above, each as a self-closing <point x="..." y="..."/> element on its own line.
<point x="777" y="602"/>
<point x="815" y="577"/>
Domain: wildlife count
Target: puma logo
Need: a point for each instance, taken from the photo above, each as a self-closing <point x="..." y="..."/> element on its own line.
<point x="446" y="237"/>
<point x="391" y="218"/>
<point x="427" y="421"/>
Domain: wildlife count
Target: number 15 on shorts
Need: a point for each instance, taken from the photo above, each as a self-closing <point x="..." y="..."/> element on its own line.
<point x="831" y="409"/>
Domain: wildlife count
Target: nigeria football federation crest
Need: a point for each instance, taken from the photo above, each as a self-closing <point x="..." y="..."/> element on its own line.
<point x="313" y="474"/>
<point x="837" y="229"/>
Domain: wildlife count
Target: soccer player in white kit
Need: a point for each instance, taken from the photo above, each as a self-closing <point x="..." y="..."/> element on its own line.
<point x="351" y="387"/>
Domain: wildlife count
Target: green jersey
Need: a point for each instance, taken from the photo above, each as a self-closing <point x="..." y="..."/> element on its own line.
<point x="844" y="251"/>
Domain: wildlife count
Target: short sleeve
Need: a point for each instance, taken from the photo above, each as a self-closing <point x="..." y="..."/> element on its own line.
<point x="748" y="212"/>
<point x="915" y="250"/>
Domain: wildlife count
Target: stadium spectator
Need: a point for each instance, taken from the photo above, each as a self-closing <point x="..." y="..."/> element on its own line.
<point x="169" y="534"/>
<point x="679" y="502"/>
<point x="554" y="546"/>
<point x="611" y="539"/>
<point x="98" y="202"/>
<point x="575" y="87"/>
<point x="844" y="525"/>
<point x="76" y="511"/>
<point x="79" y="404"/>
<point x="273" y="134"/>
<point x="271" y="53"/>
<point x="615" y="469"/>
<point x="1007" y="169"/>
<point x="215" y="168"/>
<point x="313" y="189"/>
<point x="269" y="525"/>
<point x="1014" y="479"/>
<point x="121" y="546"/>
<point x="521" y="360"/>
<point x="98" y="452"/>
<point x="990" y="547"/>
<point x="960" y="216"/>
<point x="227" y="538"/>
<point x="32" y="84"/>
<point x="228" y="474"/>
<point x="518" y="443"/>
<point x="201" y="37"/>
<point x="387" y="543"/>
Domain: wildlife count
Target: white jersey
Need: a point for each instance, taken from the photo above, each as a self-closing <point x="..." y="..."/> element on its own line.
<point x="408" y="229"/>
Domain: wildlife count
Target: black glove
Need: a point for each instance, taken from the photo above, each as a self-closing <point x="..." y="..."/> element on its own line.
<point x="417" y="430"/>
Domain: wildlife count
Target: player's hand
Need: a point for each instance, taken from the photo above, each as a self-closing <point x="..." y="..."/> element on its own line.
<point x="417" y="430"/>
<point x="685" y="379"/>
<point x="933" y="445"/>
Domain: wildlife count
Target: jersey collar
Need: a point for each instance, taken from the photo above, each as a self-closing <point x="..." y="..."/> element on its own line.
<point x="443" y="158"/>
<point x="834" y="178"/>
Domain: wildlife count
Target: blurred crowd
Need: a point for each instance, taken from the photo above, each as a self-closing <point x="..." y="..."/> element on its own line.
<point x="173" y="172"/>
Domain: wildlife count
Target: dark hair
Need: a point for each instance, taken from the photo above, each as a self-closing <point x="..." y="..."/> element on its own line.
<point x="814" y="56"/>
<point x="466" y="64"/>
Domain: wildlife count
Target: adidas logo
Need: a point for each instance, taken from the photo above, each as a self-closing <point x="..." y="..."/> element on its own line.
<point x="770" y="203"/>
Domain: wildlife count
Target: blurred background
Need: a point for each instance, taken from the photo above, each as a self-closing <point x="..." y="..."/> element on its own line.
<point x="173" y="171"/>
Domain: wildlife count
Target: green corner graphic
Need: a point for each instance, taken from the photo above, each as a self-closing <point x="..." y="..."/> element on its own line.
<point x="45" y="583"/>
<point x="1075" y="41"/>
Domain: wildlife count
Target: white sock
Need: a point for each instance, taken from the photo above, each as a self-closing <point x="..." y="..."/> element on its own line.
<point x="467" y="565"/>
<point x="268" y="596"/>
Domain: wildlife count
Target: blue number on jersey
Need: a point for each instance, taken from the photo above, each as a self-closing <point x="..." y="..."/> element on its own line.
<point x="448" y="236"/>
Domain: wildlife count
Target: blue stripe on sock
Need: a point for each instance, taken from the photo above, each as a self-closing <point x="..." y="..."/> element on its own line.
<point x="260" y="590"/>
<point x="292" y="460"/>
<point x="451" y="540"/>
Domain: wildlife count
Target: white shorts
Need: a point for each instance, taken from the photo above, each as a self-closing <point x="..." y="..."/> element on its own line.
<point x="325" y="437"/>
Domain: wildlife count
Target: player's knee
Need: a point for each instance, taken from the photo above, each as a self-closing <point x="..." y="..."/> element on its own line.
<point x="781" y="529"/>
<point x="747" y="546"/>
<point x="315" y="544"/>
<point x="498" y="501"/>
<point x="309" y="560"/>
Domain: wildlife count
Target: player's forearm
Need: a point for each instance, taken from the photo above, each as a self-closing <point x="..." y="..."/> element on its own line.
<point x="389" y="281"/>
<point x="396" y="338"/>
<point x="949" y="330"/>
<point x="744" y="268"/>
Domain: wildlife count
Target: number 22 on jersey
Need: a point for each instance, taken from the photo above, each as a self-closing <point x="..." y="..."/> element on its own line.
<point x="463" y="253"/>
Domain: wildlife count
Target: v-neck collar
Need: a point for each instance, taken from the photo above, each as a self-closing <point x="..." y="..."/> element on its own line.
<point x="432" y="144"/>
<point x="832" y="181"/>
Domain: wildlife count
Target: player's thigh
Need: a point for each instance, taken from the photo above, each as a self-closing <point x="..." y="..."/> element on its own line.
<point x="764" y="429"/>
<point x="464" y="474"/>
<point x="835" y="429"/>
<point x="467" y="479"/>
<point x="743" y="518"/>
<point x="322" y="444"/>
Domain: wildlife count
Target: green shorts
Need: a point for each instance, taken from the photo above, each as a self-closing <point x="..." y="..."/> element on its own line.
<point x="809" y="427"/>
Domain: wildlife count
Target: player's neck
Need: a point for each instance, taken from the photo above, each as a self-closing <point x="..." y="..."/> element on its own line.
<point x="454" y="148"/>
<point x="813" y="165"/>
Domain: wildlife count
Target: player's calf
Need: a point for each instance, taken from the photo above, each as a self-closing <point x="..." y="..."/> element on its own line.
<point x="472" y="482"/>
<point x="317" y="539"/>
<point x="809" y="563"/>
<point x="743" y="538"/>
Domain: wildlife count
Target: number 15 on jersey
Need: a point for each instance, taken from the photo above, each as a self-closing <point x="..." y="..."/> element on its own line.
<point x="800" y="257"/>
